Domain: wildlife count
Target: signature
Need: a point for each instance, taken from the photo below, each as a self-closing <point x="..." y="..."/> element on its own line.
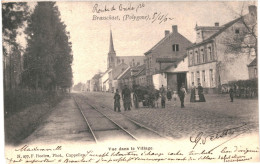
<point x="221" y="134"/>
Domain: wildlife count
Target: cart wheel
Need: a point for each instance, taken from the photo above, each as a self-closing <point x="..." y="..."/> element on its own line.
<point x="136" y="102"/>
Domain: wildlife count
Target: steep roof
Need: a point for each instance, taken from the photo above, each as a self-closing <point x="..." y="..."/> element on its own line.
<point x="126" y="75"/>
<point x="97" y="76"/>
<point x="140" y="70"/>
<point x="253" y="63"/>
<point x="224" y="27"/>
<point x="162" y="40"/>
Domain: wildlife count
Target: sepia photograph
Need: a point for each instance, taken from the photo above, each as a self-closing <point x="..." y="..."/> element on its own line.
<point x="130" y="81"/>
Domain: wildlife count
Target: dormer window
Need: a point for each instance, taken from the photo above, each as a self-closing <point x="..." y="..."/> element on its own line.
<point x="237" y="31"/>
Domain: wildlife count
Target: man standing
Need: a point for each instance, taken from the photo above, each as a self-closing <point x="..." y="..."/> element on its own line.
<point x="163" y="96"/>
<point x="182" y="94"/>
<point x="231" y="94"/>
<point x="126" y="96"/>
<point x="117" y="101"/>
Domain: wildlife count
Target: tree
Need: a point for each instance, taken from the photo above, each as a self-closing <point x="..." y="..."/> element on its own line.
<point x="48" y="56"/>
<point x="14" y="16"/>
<point x="245" y="39"/>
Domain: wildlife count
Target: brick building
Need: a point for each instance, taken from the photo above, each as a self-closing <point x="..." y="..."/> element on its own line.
<point x="165" y="53"/>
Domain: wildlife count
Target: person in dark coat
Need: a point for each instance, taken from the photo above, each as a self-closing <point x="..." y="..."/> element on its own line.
<point x="200" y="93"/>
<point x="231" y="94"/>
<point x="126" y="96"/>
<point x="169" y="94"/>
<point x="192" y="93"/>
<point x="182" y="94"/>
<point x="163" y="96"/>
<point x="117" y="101"/>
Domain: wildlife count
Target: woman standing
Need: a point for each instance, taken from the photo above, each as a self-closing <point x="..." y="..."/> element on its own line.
<point x="200" y="92"/>
<point x="192" y="93"/>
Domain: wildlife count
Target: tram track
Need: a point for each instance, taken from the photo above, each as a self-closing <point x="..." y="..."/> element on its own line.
<point x="136" y="130"/>
<point x="117" y="130"/>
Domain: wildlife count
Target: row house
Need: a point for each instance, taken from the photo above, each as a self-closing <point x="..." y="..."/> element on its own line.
<point x="209" y="61"/>
<point x="94" y="83"/>
<point x="104" y="81"/>
<point x="165" y="53"/>
<point x="132" y="76"/>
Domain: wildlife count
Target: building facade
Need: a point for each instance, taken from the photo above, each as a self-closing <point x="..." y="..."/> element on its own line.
<point x="165" y="53"/>
<point x="209" y="61"/>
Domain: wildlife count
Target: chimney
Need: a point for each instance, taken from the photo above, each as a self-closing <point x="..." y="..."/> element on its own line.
<point x="174" y="28"/>
<point x="252" y="10"/>
<point x="217" y="24"/>
<point x="166" y="32"/>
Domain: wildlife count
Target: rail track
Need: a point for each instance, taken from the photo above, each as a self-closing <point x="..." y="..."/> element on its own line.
<point x="100" y="132"/>
<point x="105" y="124"/>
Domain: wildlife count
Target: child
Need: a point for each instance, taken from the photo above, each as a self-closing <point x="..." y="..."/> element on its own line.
<point x="117" y="101"/>
<point x="175" y="95"/>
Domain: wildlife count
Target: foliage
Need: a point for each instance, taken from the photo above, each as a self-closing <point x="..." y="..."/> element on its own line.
<point x="78" y="87"/>
<point x="14" y="15"/>
<point x="17" y="100"/>
<point x="251" y="83"/>
<point x="48" y="56"/>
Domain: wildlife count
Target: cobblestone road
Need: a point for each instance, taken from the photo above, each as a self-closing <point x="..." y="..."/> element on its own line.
<point x="216" y="114"/>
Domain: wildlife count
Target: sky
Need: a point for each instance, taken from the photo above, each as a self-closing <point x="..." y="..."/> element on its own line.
<point x="90" y="38"/>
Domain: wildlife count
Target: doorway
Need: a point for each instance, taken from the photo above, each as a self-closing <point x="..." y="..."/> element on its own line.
<point x="181" y="78"/>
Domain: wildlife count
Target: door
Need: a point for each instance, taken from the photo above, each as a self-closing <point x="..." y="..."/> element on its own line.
<point x="172" y="81"/>
<point x="181" y="78"/>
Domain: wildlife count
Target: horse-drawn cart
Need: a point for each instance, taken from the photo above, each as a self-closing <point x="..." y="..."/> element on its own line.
<point x="147" y="95"/>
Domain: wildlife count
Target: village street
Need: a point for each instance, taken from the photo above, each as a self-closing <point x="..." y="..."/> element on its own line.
<point x="214" y="115"/>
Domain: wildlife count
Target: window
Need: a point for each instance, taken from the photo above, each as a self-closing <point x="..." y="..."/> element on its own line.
<point x="210" y="53"/>
<point x="255" y="72"/>
<point x="211" y="77"/>
<point x="138" y="63"/>
<point x="202" y="56"/>
<point x="123" y="61"/>
<point x="191" y="58"/>
<point x="175" y="47"/>
<point x="198" y="34"/>
<point x="196" y="58"/>
<point x="237" y="31"/>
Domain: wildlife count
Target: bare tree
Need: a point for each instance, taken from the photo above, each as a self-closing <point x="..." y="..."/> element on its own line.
<point x="244" y="41"/>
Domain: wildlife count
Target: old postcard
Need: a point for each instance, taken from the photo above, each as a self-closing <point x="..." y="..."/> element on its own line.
<point x="130" y="82"/>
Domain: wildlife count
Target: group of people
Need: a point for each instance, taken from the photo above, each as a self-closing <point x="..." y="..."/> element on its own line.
<point x="195" y="96"/>
<point x="126" y="97"/>
<point x="182" y="93"/>
<point x="199" y="96"/>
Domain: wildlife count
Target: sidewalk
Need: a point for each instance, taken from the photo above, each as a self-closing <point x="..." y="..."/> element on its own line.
<point x="64" y="125"/>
